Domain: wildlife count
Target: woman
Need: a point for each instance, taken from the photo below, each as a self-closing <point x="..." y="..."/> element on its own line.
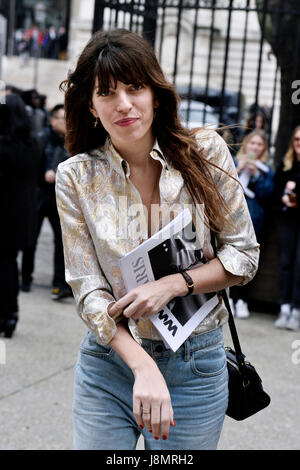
<point x="257" y="179"/>
<point x="123" y="126"/>
<point x="19" y="167"/>
<point x="257" y="121"/>
<point x="287" y="194"/>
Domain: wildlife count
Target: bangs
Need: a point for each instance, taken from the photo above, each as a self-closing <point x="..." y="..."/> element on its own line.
<point x="116" y="64"/>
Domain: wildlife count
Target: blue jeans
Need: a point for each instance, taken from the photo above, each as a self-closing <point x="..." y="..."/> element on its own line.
<point x="197" y="380"/>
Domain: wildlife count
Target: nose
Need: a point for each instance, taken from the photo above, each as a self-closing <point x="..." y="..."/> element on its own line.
<point x="124" y="104"/>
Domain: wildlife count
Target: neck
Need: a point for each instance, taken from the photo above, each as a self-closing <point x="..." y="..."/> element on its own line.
<point x="135" y="153"/>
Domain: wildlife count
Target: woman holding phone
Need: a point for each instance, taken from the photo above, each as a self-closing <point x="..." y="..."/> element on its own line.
<point x="287" y="194"/>
<point x="257" y="179"/>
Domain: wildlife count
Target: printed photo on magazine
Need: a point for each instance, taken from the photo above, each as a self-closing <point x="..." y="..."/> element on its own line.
<point x="176" y="246"/>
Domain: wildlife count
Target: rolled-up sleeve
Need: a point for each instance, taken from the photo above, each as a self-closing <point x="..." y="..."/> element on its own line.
<point x="237" y="247"/>
<point x="90" y="288"/>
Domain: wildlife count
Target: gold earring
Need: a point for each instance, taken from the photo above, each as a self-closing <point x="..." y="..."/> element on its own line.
<point x="96" y="122"/>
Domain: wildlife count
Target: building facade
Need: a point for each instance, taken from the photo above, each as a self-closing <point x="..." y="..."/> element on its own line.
<point x="192" y="43"/>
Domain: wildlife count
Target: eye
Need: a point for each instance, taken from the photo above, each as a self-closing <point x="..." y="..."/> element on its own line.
<point x="104" y="93"/>
<point x="136" y="86"/>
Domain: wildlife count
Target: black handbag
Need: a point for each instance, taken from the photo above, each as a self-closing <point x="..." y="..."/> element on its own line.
<point x="246" y="393"/>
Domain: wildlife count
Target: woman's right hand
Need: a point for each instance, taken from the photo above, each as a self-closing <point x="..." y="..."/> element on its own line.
<point x="150" y="393"/>
<point x="289" y="198"/>
<point x="242" y="163"/>
<point x="290" y="201"/>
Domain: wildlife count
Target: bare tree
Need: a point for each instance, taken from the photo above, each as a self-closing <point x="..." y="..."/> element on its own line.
<point x="280" y="24"/>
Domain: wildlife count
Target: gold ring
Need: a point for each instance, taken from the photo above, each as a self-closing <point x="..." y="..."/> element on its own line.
<point x="146" y="412"/>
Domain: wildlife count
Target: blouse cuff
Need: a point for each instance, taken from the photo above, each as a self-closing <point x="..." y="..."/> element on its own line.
<point x="243" y="264"/>
<point x="93" y="311"/>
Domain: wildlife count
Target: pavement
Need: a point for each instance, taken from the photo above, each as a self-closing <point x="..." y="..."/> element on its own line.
<point x="44" y="74"/>
<point x="36" y="373"/>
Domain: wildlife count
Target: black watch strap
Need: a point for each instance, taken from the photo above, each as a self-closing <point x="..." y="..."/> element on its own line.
<point x="189" y="282"/>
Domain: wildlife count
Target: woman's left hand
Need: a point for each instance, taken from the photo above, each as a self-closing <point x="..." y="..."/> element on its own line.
<point x="149" y="298"/>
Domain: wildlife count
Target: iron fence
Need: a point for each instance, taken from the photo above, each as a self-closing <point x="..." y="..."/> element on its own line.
<point x="224" y="53"/>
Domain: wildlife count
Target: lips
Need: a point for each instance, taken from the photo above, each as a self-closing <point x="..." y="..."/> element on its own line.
<point x="126" y="121"/>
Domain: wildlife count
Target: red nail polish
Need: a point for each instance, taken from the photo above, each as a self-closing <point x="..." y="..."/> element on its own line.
<point x="156" y="438"/>
<point x="150" y="430"/>
<point x="164" y="438"/>
<point x="142" y="427"/>
<point x="173" y="422"/>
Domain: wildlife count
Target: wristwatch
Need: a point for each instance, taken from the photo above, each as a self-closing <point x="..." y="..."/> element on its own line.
<point x="189" y="282"/>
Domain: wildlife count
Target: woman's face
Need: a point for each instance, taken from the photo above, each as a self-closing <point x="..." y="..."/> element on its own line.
<point x="256" y="145"/>
<point x="296" y="144"/>
<point x="126" y="113"/>
<point x="259" y="122"/>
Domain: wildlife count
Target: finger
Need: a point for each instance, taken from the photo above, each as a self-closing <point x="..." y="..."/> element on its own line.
<point x="137" y="413"/>
<point x="135" y="310"/>
<point x="139" y="314"/>
<point x="146" y="416"/>
<point x="121" y="304"/>
<point x="166" y="418"/>
<point x="131" y="311"/>
<point x="172" y="421"/>
<point x="156" y="420"/>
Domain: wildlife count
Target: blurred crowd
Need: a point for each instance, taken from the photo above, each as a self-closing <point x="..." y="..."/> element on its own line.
<point x="32" y="140"/>
<point x="34" y="42"/>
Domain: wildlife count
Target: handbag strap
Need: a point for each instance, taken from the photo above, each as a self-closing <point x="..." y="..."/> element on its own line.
<point x="234" y="334"/>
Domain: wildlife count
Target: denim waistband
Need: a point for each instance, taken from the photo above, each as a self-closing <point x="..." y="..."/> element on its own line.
<point x="193" y="343"/>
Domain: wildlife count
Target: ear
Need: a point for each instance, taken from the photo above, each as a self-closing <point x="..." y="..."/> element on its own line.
<point x="93" y="111"/>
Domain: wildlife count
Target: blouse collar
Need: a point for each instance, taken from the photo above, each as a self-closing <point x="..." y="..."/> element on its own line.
<point x="122" y="166"/>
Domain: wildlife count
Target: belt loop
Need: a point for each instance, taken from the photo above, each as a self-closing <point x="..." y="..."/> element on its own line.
<point x="187" y="350"/>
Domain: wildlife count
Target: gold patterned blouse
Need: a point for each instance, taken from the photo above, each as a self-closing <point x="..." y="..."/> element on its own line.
<point x="96" y="201"/>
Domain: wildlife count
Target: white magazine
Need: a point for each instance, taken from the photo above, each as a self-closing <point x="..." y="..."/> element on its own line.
<point x="175" y="246"/>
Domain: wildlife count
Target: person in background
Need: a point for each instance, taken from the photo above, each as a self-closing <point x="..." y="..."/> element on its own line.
<point x="20" y="157"/>
<point x="35" y="41"/>
<point x="33" y="104"/>
<point x="257" y="179"/>
<point x="12" y="89"/>
<point x="256" y="121"/>
<point x="44" y="109"/>
<point x="24" y="49"/>
<point x="287" y="196"/>
<point x="53" y="141"/>
<point x="62" y="43"/>
<point x="52" y="43"/>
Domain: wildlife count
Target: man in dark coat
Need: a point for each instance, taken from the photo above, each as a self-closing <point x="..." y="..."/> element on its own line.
<point x="20" y="157"/>
<point x="53" y="140"/>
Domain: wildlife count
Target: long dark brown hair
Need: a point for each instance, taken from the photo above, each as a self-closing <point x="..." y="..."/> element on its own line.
<point x="121" y="55"/>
